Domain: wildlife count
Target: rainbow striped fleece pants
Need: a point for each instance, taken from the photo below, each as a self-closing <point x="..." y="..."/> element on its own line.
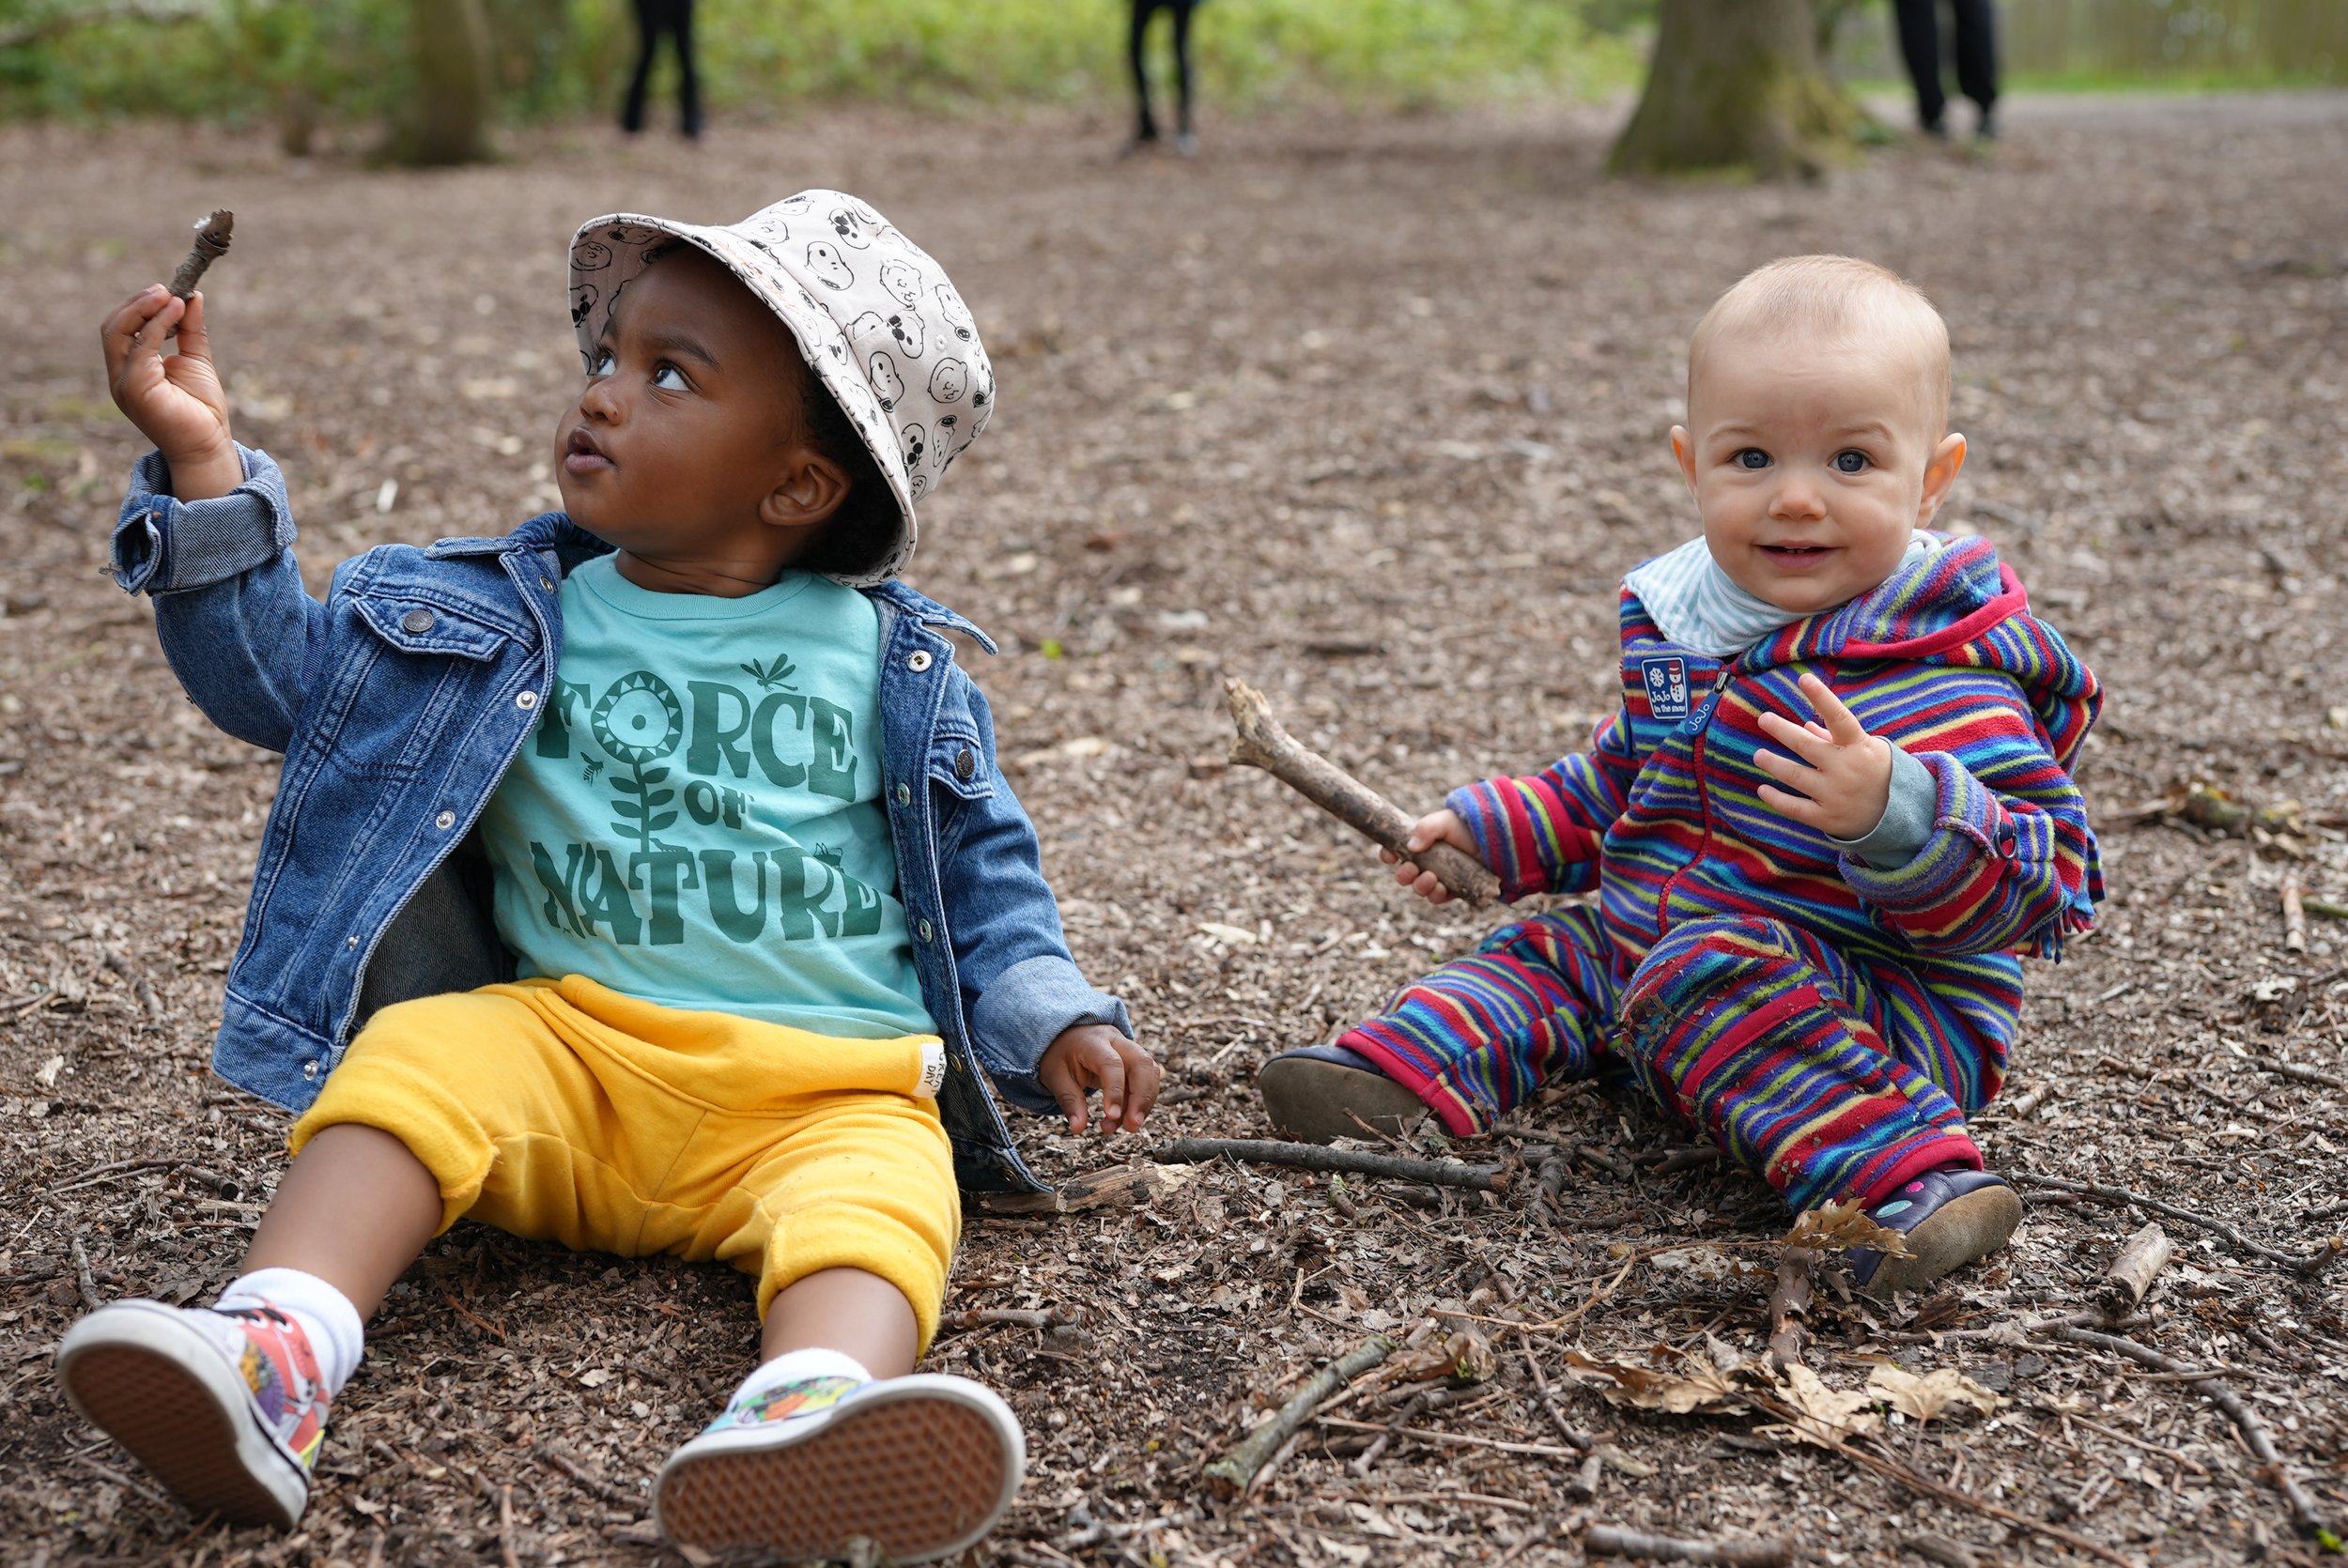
<point x="1827" y="1075"/>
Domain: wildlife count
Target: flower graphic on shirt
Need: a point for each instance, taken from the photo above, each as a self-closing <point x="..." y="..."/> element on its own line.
<point x="775" y="672"/>
<point x="640" y="721"/>
<point x="825" y="853"/>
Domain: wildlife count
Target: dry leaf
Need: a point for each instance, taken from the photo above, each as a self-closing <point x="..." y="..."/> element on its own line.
<point x="1839" y="1226"/>
<point x="1926" y="1397"/>
<point x="1700" y="1386"/>
<point x="1823" y="1412"/>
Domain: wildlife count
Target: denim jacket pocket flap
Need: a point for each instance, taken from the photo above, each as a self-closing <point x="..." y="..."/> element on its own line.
<point x="413" y="627"/>
<point x="960" y="763"/>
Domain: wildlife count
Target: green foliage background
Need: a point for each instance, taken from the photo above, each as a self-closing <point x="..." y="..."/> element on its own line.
<point x="347" y="60"/>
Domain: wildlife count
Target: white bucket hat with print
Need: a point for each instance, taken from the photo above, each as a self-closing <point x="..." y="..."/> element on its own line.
<point x="876" y="319"/>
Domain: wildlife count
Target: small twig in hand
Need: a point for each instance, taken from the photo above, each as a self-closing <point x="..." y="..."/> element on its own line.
<point x="1789" y="1304"/>
<point x="1262" y="744"/>
<point x="212" y="242"/>
<point x="1318" y="1157"/>
<point x="2305" y="1263"/>
<point x="1236" y="1470"/>
<point x="1606" y="1541"/>
<point x="2128" y="1280"/>
<point x="2255" y="1436"/>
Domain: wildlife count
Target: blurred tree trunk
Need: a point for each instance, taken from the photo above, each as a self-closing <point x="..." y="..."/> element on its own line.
<point x="448" y="122"/>
<point x="1736" y="84"/>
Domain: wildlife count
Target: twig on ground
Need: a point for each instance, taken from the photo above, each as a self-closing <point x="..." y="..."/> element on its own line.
<point x="2305" y="1512"/>
<point x="2031" y="1099"/>
<point x="1939" y="1550"/>
<point x="2305" y="1263"/>
<point x="1682" y="1159"/>
<point x="1410" y="1411"/>
<point x="1789" y="1304"/>
<point x="81" y="1280"/>
<point x="1021" y="1318"/>
<point x="1606" y="1541"/>
<point x="1465" y="1439"/>
<point x="1565" y="1429"/>
<point x="2292" y="1069"/>
<point x="505" y="1525"/>
<point x="213" y="233"/>
<point x="587" y="1477"/>
<point x="1235" y="1470"/>
<point x="2129" y="1279"/>
<point x="1319" y="1157"/>
<point x="2295" y="913"/>
<point x="1262" y="744"/>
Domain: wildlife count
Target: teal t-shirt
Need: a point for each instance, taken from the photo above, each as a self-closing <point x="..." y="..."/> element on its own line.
<point x="697" y="818"/>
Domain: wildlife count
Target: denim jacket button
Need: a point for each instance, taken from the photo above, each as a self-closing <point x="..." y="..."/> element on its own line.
<point x="928" y="930"/>
<point x="445" y="820"/>
<point x="350" y="942"/>
<point x="904" y="796"/>
<point x="966" y="763"/>
<point x="547" y="583"/>
<point x="919" y="660"/>
<point x="527" y="700"/>
<point x="309" y="1069"/>
<point x="416" y="622"/>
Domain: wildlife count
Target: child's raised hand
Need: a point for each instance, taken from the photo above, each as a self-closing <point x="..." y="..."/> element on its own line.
<point x="176" y="400"/>
<point x="1436" y="827"/>
<point x="1847" y="780"/>
<point x="1096" y="1056"/>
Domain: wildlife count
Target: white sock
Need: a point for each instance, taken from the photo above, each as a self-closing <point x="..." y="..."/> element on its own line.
<point x="324" y="1313"/>
<point x="794" y="1366"/>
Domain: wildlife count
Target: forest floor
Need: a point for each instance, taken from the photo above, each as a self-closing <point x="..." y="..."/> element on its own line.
<point x="1371" y="413"/>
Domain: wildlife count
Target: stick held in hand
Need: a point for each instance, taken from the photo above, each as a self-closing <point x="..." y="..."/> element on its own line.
<point x="211" y="243"/>
<point x="1262" y="744"/>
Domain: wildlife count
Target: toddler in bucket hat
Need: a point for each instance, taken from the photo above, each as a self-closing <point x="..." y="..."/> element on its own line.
<point x="716" y="920"/>
<point x="878" y="322"/>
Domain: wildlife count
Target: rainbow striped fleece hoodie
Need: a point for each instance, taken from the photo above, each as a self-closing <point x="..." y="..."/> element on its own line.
<point x="1663" y="814"/>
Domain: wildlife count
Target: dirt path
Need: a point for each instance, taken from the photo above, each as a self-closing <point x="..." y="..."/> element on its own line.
<point x="1373" y="414"/>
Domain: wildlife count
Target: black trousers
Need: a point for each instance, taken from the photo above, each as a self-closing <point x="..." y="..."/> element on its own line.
<point x="1143" y="10"/>
<point x="655" y="19"/>
<point x="1976" y="54"/>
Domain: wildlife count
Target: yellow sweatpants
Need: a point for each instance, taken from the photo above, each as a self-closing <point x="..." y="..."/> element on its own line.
<point x="564" y="1110"/>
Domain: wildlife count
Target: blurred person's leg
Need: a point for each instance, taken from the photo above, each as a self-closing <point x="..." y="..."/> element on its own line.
<point x="1146" y="126"/>
<point x="1919" y="47"/>
<point x="690" y="86"/>
<point x="1184" y="137"/>
<point x="1977" y="58"/>
<point x="647" y="38"/>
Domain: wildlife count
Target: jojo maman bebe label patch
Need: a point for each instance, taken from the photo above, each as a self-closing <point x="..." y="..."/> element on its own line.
<point x="1666" y="678"/>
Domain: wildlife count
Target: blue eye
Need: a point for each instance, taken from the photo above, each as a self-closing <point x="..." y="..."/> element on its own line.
<point x="1752" y="458"/>
<point x="669" y="379"/>
<point x="1851" y="462"/>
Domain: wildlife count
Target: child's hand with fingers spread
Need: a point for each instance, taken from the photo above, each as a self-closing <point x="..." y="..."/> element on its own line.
<point x="1844" y="776"/>
<point x="1436" y="827"/>
<point x="1096" y="1056"/>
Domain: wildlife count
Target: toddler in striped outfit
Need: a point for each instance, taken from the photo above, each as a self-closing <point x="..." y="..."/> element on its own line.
<point x="1833" y="809"/>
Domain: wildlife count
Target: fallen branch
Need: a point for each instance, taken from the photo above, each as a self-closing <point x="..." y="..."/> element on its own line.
<point x="1565" y="1429"/>
<point x="2305" y="1263"/>
<point x="1262" y="744"/>
<point x="1233" y="1472"/>
<point x="2295" y="913"/>
<point x="2294" y="1070"/>
<point x="1789" y="1304"/>
<point x="1017" y="1317"/>
<point x="212" y="232"/>
<point x="2129" y="1279"/>
<point x="1606" y="1541"/>
<point x="1118" y="1187"/>
<point x="83" y="1281"/>
<point x="2255" y="1435"/>
<point x="1316" y="1156"/>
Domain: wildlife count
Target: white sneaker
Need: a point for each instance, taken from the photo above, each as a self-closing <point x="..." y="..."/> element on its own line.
<point x="226" y="1408"/>
<point x="921" y="1466"/>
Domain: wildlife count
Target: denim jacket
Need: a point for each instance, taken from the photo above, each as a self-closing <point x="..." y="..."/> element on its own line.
<point x="398" y="704"/>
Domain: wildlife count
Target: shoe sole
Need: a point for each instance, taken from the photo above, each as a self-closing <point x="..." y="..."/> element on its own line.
<point x="1308" y="1099"/>
<point x="1961" y="1230"/>
<point x="920" y="1471"/>
<point x="166" y="1393"/>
